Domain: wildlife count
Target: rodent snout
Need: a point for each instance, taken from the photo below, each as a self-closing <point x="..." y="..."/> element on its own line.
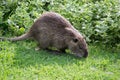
<point x="85" y="54"/>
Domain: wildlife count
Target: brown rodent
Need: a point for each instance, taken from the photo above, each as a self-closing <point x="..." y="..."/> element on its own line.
<point x="53" y="30"/>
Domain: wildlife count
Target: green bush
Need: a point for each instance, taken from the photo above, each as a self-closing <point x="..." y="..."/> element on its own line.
<point x="97" y="20"/>
<point x="20" y="15"/>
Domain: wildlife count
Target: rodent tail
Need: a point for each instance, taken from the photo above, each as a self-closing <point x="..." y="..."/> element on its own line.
<point x="19" y="38"/>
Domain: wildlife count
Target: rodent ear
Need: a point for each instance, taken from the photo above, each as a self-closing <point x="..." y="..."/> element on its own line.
<point x="75" y="40"/>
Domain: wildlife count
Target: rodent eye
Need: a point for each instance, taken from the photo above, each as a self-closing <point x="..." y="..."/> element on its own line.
<point x="75" y="40"/>
<point x="80" y="47"/>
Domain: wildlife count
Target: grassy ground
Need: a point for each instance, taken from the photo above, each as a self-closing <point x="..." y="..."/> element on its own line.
<point x="19" y="61"/>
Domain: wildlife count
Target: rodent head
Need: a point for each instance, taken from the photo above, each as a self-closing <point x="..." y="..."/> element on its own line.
<point x="76" y="43"/>
<point x="78" y="47"/>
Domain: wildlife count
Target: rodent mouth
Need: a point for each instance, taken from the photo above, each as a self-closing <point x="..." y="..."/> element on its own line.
<point x="85" y="55"/>
<point x="78" y="55"/>
<point x="81" y="54"/>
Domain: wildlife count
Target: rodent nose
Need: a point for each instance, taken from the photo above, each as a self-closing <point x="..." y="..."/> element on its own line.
<point x="85" y="54"/>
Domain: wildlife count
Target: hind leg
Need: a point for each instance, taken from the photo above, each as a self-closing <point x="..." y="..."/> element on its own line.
<point x="38" y="47"/>
<point x="45" y="47"/>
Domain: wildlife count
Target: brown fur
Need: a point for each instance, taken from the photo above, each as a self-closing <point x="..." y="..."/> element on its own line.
<point x="53" y="30"/>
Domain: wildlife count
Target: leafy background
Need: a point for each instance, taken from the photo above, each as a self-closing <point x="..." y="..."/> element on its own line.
<point x="97" y="20"/>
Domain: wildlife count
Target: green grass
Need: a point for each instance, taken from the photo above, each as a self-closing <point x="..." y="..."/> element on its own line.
<point x="20" y="61"/>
